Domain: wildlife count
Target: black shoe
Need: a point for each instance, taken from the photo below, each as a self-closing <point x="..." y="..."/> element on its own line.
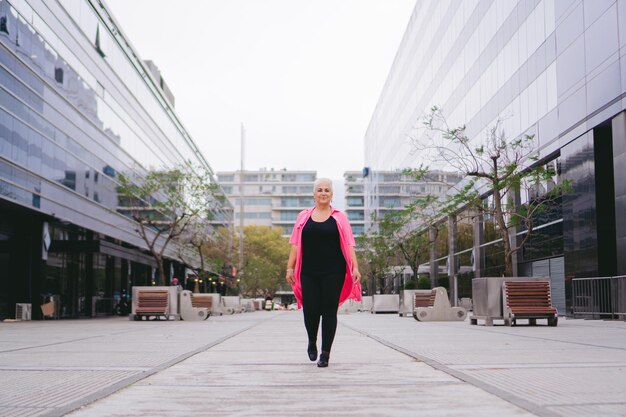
<point x="323" y="362"/>
<point x="312" y="351"/>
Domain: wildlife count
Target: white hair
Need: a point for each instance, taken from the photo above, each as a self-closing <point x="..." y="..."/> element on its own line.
<point x="323" y="181"/>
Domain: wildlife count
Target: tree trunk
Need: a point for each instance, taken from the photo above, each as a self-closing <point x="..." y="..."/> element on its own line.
<point x="504" y="232"/>
<point x="161" y="271"/>
<point x="371" y="284"/>
<point x="434" y="267"/>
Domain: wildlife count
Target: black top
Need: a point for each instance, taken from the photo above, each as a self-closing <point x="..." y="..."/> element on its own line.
<point x="321" y="248"/>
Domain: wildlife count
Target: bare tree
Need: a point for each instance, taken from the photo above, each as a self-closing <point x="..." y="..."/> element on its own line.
<point x="498" y="167"/>
<point x="163" y="203"/>
<point x="194" y="243"/>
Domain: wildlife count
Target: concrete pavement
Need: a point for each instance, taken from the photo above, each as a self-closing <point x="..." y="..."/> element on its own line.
<point x="255" y="364"/>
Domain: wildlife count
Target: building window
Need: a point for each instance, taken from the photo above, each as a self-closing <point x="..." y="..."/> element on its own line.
<point x="289" y="202"/>
<point x="355" y="201"/>
<point x="305" y="177"/>
<point x="288" y="215"/>
<point x="390" y="202"/>
<point x="3" y="25"/>
<point x="226" y="178"/>
<point x="109" y="171"/>
<point x="389" y="189"/>
<point x="58" y="75"/>
<point x="356" y="215"/>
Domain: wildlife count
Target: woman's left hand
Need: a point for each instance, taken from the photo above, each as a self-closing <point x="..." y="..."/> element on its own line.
<point x="356" y="276"/>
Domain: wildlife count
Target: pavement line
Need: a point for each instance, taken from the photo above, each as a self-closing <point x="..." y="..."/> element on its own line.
<point x="49" y="344"/>
<point x="61" y="342"/>
<point x="487" y="329"/>
<point x="105" y="392"/>
<point x="505" y="395"/>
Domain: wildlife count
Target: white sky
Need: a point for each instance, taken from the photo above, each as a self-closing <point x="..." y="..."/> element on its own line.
<point x="303" y="76"/>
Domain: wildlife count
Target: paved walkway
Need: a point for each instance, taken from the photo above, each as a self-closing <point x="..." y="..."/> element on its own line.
<point x="255" y="364"/>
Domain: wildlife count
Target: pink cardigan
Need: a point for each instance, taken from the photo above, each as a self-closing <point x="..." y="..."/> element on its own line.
<point x="346" y="240"/>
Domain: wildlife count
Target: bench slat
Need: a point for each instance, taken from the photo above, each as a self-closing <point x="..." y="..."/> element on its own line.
<point x="152" y="302"/>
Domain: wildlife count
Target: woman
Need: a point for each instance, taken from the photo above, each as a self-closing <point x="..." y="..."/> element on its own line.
<point x="322" y="267"/>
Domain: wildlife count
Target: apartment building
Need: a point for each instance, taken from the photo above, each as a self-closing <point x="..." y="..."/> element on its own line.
<point x="372" y="193"/>
<point x="270" y="197"/>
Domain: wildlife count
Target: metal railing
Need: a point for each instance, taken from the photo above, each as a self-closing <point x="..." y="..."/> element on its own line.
<point x="599" y="297"/>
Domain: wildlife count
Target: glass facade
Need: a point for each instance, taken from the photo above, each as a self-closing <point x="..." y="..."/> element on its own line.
<point x="547" y="68"/>
<point x="78" y="108"/>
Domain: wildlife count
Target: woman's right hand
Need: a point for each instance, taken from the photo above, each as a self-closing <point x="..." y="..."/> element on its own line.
<point x="290" y="277"/>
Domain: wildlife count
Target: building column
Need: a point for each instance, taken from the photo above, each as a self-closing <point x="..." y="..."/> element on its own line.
<point x="28" y="263"/>
<point x="452" y="269"/>
<point x="619" y="165"/>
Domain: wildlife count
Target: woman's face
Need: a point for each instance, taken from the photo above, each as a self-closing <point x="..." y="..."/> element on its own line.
<point x="323" y="193"/>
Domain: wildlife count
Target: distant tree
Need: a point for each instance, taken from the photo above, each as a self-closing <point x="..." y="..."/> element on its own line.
<point x="265" y="256"/>
<point x="164" y="203"/>
<point x="404" y="232"/>
<point x="219" y="252"/>
<point x="374" y="256"/>
<point x="497" y="166"/>
<point x="193" y="249"/>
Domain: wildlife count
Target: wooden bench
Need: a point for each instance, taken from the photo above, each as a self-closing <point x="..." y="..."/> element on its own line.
<point x="530" y="300"/>
<point x="424" y="298"/>
<point x="194" y="307"/>
<point x="152" y="303"/>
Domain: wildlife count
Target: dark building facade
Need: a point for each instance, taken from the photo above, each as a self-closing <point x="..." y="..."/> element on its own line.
<point x="77" y="108"/>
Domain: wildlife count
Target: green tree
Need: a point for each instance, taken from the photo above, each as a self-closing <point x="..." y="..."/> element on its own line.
<point x="219" y="252"/>
<point x="374" y="257"/>
<point x="164" y="203"/>
<point x="496" y="167"/>
<point x="265" y="256"/>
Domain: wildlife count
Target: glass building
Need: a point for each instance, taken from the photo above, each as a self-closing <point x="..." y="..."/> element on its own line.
<point x="77" y="108"/>
<point x="552" y="69"/>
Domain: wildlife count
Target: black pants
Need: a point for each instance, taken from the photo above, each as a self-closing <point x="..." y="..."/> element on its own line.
<point x="320" y="298"/>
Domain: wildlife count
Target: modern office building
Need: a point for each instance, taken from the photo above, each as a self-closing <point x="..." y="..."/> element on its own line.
<point x="271" y="197"/>
<point x="78" y="107"/>
<point x="552" y="69"/>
